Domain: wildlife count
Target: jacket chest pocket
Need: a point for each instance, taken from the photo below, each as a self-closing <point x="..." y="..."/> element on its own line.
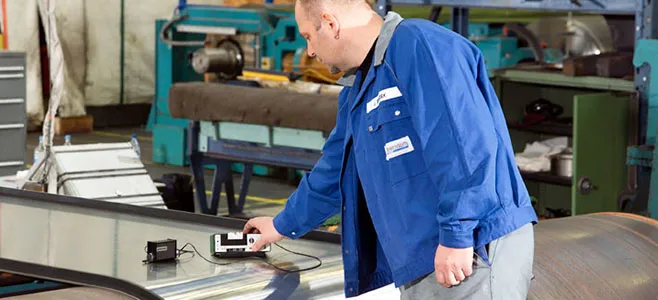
<point x="393" y="138"/>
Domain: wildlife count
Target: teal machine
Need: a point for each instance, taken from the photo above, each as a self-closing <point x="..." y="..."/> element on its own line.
<point x="642" y="196"/>
<point x="500" y="45"/>
<point x="277" y="36"/>
<point x="179" y="38"/>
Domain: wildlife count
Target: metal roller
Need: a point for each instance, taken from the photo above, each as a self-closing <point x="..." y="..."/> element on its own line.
<point x="263" y="106"/>
<point x="227" y="60"/>
<point x="598" y="256"/>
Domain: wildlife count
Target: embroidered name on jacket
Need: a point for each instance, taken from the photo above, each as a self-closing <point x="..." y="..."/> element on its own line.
<point x="398" y="147"/>
<point x="383" y="95"/>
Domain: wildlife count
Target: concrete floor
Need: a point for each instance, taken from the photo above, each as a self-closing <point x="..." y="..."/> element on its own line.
<point x="266" y="196"/>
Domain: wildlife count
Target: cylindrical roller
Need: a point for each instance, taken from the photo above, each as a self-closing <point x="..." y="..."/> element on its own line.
<point x="263" y="106"/>
<point x="598" y="256"/>
<point x="226" y="60"/>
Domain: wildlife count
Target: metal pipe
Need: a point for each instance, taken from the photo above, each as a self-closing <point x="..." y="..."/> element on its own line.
<point x="226" y="60"/>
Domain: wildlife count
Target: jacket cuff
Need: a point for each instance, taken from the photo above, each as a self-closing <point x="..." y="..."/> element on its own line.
<point x="285" y="226"/>
<point x="456" y="239"/>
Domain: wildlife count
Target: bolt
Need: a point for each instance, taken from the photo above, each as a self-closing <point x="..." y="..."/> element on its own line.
<point x="637" y="28"/>
<point x="644" y="78"/>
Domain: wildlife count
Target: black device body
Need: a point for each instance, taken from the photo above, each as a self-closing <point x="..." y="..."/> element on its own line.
<point x="163" y="250"/>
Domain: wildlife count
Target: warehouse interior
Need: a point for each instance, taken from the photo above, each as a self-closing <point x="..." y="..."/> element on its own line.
<point x="124" y="124"/>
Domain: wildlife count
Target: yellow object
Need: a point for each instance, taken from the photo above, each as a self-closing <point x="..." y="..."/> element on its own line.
<point x="264" y="76"/>
<point x="311" y="68"/>
<point x="2" y="43"/>
<point x="266" y="63"/>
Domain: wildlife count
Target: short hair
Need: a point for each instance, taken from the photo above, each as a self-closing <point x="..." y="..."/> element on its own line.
<point x="312" y="8"/>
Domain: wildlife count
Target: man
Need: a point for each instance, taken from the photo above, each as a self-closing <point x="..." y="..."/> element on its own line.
<point x="420" y="163"/>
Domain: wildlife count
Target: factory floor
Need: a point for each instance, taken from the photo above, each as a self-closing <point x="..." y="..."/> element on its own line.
<point x="266" y="196"/>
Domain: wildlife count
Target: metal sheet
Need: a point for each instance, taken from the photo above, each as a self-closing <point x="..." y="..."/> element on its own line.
<point x="112" y="244"/>
<point x="600" y="256"/>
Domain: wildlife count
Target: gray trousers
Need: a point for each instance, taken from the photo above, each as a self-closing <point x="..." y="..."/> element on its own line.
<point x="508" y="277"/>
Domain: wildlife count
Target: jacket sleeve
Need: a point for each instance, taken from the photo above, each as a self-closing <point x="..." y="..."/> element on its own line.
<point x="317" y="197"/>
<point x="456" y="129"/>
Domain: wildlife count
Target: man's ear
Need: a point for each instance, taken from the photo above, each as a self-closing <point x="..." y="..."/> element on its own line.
<point x="333" y="23"/>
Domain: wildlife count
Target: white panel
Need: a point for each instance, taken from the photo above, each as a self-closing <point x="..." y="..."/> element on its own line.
<point x="104" y="171"/>
<point x="66" y="232"/>
<point x="34" y="248"/>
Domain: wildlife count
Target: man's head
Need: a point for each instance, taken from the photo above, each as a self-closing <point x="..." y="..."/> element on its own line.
<point x="337" y="31"/>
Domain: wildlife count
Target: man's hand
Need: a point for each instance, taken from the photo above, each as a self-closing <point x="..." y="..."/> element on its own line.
<point x="452" y="265"/>
<point x="264" y="226"/>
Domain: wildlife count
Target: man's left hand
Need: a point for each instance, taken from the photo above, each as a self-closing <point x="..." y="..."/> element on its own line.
<point x="452" y="265"/>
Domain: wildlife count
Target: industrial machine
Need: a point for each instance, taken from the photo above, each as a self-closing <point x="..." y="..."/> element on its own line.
<point x="191" y="45"/>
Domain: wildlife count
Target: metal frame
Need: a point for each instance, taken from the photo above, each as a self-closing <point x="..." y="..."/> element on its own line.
<point x="142" y="211"/>
<point x="644" y="10"/>
<point x="591" y="6"/>
<point x="222" y="153"/>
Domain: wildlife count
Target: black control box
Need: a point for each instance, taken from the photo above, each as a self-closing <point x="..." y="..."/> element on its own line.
<point x="163" y="250"/>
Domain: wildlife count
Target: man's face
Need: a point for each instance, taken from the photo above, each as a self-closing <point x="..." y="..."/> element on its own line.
<point x="321" y="42"/>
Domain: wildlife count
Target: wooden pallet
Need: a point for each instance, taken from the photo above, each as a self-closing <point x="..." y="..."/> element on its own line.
<point x="70" y="125"/>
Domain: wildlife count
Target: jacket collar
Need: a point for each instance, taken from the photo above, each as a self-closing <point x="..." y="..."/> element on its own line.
<point x="391" y="21"/>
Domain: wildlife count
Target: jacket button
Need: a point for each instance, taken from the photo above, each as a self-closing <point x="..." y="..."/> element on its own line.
<point x="293" y="233"/>
<point x="370" y="128"/>
<point x="344" y="208"/>
<point x="347" y="251"/>
<point x="351" y="290"/>
<point x="397" y="112"/>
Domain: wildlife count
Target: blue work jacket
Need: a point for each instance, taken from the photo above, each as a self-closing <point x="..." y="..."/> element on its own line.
<point x="425" y="142"/>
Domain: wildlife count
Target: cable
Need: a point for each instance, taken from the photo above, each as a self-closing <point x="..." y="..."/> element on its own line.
<point x="265" y="260"/>
<point x="297" y="253"/>
<point x="201" y="255"/>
